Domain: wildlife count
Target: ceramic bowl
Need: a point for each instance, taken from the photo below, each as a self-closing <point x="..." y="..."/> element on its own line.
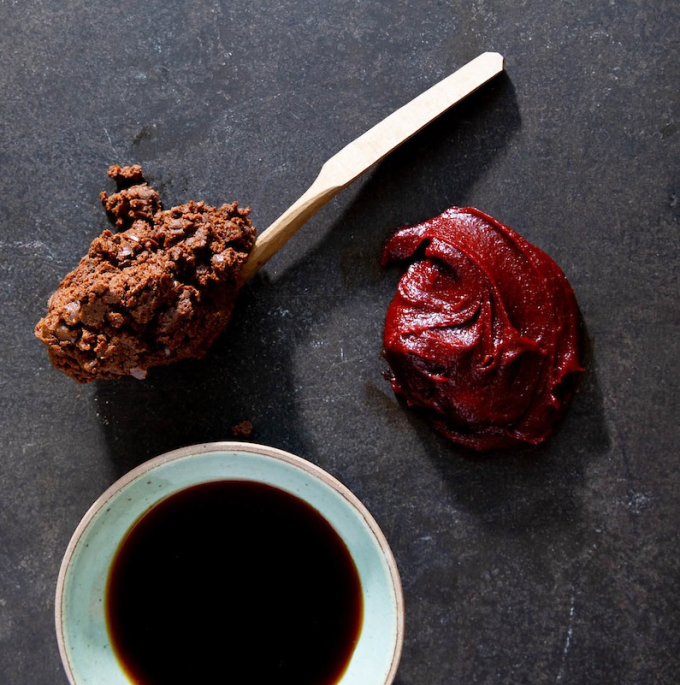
<point x="82" y="633"/>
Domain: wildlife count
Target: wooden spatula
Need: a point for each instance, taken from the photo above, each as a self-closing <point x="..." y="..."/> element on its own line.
<point x="368" y="149"/>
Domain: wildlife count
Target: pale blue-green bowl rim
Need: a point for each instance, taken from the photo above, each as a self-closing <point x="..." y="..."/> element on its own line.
<point x="243" y="447"/>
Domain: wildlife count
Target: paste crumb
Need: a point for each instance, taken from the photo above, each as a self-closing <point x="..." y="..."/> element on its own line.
<point x="244" y="429"/>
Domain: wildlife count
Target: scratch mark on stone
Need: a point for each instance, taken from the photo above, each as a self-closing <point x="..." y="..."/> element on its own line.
<point x="32" y="248"/>
<point x="108" y="137"/>
<point x="567" y="642"/>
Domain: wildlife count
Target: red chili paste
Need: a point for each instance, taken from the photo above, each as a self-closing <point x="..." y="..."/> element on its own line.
<point x="483" y="332"/>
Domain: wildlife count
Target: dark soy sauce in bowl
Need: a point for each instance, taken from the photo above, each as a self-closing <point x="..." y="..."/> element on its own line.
<point x="233" y="581"/>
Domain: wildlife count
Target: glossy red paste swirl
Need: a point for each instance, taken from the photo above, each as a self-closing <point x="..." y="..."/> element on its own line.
<point x="483" y="332"/>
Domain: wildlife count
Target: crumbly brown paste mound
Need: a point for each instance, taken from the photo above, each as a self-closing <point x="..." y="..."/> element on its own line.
<point x="159" y="291"/>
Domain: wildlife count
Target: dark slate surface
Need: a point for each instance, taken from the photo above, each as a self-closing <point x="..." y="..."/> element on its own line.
<point x="555" y="565"/>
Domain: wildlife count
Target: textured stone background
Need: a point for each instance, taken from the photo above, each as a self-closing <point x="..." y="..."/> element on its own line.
<point x="555" y="565"/>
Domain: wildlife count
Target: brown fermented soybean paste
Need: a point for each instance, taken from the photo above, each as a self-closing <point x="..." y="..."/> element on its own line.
<point x="233" y="582"/>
